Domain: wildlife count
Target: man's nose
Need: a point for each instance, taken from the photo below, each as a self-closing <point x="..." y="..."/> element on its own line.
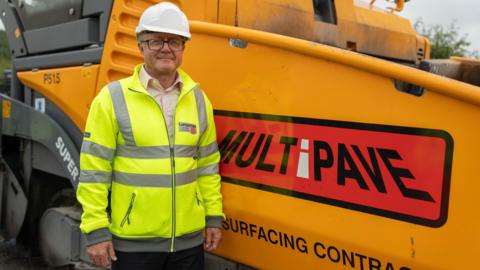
<point x="165" y="47"/>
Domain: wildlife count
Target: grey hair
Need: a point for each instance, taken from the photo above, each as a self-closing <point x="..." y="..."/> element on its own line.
<point x="139" y="35"/>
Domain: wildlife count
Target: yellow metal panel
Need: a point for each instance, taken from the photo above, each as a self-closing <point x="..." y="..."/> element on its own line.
<point x="211" y="11"/>
<point x="280" y="76"/>
<point x="375" y="17"/>
<point x="376" y="66"/>
<point x="466" y="60"/>
<point x="277" y="75"/>
<point x="379" y="32"/>
<point x="286" y="17"/>
<point x="345" y="10"/>
<point x="227" y="12"/>
<point x="427" y="48"/>
<point x="72" y="88"/>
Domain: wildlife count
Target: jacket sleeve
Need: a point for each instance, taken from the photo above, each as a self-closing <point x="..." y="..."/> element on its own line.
<point x="208" y="171"/>
<point x="96" y="156"/>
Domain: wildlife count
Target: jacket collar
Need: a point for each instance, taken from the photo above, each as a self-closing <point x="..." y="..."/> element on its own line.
<point x="134" y="83"/>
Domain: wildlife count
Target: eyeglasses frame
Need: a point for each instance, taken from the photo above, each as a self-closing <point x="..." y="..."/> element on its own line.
<point x="167" y="40"/>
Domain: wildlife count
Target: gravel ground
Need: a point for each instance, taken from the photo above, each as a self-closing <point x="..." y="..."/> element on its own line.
<point x="13" y="258"/>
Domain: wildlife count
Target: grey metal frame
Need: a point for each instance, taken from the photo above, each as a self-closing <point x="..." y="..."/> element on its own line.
<point x="38" y="156"/>
<point x="60" y="117"/>
<point x="27" y="123"/>
<point x="102" y="7"/>
<point x="14" y="202"/>
<point x="72" y="43"/>
<point x="10" y="18"/>
<point x="63" y="59"/>
<point x="41" y="13"/>
<point x="83" y="32"/>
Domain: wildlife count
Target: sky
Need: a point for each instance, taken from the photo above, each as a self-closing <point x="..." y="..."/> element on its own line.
<point x="465" y="12"/>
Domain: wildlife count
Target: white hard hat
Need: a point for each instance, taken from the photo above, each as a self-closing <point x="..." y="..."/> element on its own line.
<point x="164" y="17"/>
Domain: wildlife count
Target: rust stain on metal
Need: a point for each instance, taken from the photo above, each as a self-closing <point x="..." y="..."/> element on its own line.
<point x="412" y="242"/>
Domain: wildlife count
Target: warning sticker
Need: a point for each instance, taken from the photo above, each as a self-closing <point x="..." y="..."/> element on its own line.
<point x="391" y="171"/>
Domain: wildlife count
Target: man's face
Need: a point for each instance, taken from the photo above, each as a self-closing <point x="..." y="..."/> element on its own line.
<point x="164" y="61"/>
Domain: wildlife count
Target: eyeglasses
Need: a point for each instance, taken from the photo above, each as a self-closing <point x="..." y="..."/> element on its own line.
<point x="175" y="44"/>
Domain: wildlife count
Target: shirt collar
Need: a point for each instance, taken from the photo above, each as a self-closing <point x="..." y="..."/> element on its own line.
<point x="146" y="80"/>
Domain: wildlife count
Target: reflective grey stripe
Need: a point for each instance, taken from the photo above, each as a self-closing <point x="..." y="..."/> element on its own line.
<point x="201" y="110"/>
<point x="143" y="151"/>
<point x="92" y="176"/>
<point x="158" y="244"/>
<point x="97" y="150"/>
<point x="147" y="152"/>
<point x="185" y="150"/>
<point x="121" y="112"/>
<point x="208" y="170"/>
<point x="185" y="178"/>
<point x="207" y="150"/>
<point x="154" y="180"/>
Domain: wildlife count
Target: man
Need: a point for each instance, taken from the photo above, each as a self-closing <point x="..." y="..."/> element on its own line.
<point x="150" y="147"/>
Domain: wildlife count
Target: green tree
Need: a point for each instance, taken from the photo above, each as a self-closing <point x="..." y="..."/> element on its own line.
<point x="445" y="41"/>
<point x="5" y="60"/>
<point x="4" y="48"/>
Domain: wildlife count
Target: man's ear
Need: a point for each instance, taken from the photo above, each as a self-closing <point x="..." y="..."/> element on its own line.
<point x="140" y="48"/>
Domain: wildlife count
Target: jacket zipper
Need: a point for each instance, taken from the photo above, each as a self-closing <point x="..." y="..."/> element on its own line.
<point x="129" y="210"/>
<point x="199" y="202"/>
<point x="172" y="165"/>
<point x="172" y="162"/>
<point x="172" y="155"/>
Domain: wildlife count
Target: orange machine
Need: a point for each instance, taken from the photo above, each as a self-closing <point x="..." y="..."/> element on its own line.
<point x="339" y="149"/>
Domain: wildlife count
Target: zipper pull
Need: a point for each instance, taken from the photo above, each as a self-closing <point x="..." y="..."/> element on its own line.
<point x="198" y="199"/>
<point x="129" y="210"/>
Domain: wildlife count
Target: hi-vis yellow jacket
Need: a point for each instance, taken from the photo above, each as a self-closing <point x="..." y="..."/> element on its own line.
<point x="162" y="193"/>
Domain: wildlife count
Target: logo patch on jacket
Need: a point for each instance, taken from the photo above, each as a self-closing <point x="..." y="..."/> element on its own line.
<point x="187" y="127"/>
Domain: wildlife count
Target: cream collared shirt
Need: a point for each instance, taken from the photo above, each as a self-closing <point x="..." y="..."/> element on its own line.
<point x="166" y="98"/>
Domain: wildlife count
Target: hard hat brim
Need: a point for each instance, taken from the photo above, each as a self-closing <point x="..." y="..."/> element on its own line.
<point x="142" y="28"/>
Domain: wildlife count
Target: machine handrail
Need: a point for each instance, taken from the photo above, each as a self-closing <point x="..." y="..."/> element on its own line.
<point x="399" y="5"/>
<point x="442" y="85"/>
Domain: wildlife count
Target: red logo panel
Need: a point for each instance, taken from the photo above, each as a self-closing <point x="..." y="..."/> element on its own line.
<point x="396" y="172"/>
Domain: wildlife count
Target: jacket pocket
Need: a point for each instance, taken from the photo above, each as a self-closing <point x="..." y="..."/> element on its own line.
<point x="126" y="218"/>
<point x="199" y="198"/>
